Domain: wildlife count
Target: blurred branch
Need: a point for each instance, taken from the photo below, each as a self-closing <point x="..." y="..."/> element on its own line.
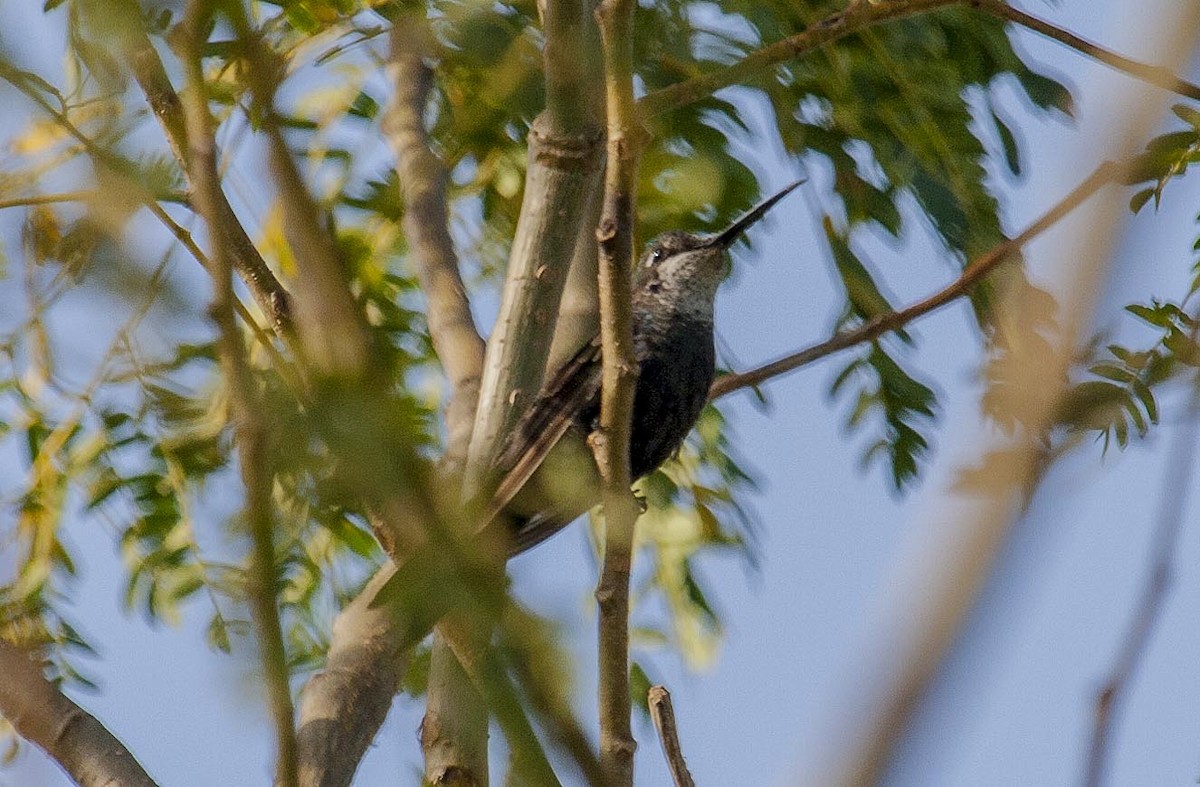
<point x="286" y="373"/>
<point x="118" y="166"/>
<point x="972" y="274"/>
<point x="861" y="14"/>
<point x="333" y="332"/>
<point x="920" y="612"/>
<point x="663" y="716"/>
<point x="1151" y="75"/>
<point x="343" y="706"/>
<point x="160" y="94"/>
<point x="610" y="442"/>
<point x="68" y="196"/>
<point x="423" y="181"/>
<point x="1172" y="503"/>
<point x="41" y="714"/>
<point x="248" y="411"/>
<point x="454" y="731"/>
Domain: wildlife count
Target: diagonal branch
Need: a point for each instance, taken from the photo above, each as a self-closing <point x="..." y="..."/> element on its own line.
<point x="663" y="715"/>
<point x="148" y="71"/>
<point x="344" y="705"/>
<point x="44" y="716"/>
<point x="1151" y="75"/>
<point x="974" y="273"/>
<point x="862" y="14"/>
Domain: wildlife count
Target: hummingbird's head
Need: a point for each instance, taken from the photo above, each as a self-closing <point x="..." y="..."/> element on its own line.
<point x="682" y="271"/>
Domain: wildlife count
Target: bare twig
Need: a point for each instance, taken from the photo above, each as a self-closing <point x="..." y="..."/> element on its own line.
<point x="1151" y="75"/>
<point x="66" y="196"/>
<point x="611" y="442"/>
<point x="663" y="716"/>
<point x="44" y="716"/>
<point x="1172" y="502"/>
<point x="250" y="431"/>
<point x="972" y="275"/>
<point x="858" y="16"/>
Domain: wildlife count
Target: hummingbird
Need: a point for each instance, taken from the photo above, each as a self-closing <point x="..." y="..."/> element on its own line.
<point x="548" y="477"/>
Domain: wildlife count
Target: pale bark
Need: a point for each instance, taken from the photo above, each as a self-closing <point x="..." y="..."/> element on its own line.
<point x="44" y="716"/>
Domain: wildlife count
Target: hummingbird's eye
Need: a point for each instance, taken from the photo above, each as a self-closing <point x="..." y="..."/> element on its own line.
<point x="656" y="255"/>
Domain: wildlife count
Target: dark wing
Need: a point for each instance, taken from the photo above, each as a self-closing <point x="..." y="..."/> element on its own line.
<point x="566" y="394"/>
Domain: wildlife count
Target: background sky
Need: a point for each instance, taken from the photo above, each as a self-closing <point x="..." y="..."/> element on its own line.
<point x="1012" y="705"/>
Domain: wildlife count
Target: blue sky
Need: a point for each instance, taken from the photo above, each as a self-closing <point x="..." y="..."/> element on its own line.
<point x="1013" y="703"/>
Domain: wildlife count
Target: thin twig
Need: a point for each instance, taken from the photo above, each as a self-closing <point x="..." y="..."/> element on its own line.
<point x="1172" y="503"/>
<point x="860" y="15"/>
<point x="972" y="274"/>
<point x="41" y="714"/>
<point x="248" y="412"/>
<point x="1151" y="75"/>
<point x="611" y="441"/>
<point x="68" y="196"/>
<point x="663" y="716"/>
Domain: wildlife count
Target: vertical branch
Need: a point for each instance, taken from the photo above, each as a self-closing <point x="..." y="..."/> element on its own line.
<point x="564" y="154"/>
<point x="611" y="442"/>
<point x="44" y="716"/>
<point x="249" y="430"/>
<point x="423" y="181"/>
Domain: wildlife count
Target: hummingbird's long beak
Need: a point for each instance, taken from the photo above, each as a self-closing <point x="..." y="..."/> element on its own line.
<point x="726" y="238"/>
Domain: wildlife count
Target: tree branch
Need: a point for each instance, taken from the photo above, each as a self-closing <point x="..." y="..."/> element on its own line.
<point x="663" y="716"/>
<point x="344" y="705"/>
<point x="855" y="17"/>
<point x="148" y="71"/>
<point x="427" y="229"/>
<point x="454" y="731"/>
<point x="921" y="612"/>
<point x="1151" y="75"/>
<point x="972" y="274"/>
<point x="247" y="409"/>
<point x="862" y="14"/>
<point x="564" y="154"/>
<point x="44" y="716"/>
<point x="611" y="442"/>
<point x="1172" y="503"/>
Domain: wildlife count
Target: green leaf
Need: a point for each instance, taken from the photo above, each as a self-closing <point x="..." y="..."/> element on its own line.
<point x="639" y="688"/>
<point x="1139" y="200"/>
<point x="1008" y="142"/>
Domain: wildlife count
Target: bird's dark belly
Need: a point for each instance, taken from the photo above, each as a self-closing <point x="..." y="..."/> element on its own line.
<point x="674" y="375"/>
